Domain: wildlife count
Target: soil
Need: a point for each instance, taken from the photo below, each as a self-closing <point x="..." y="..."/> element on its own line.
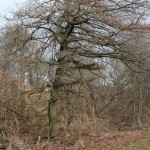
<point x="106" y="141"/>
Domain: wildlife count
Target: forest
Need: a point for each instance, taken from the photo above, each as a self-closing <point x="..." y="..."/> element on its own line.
<point x="74" y="69"/>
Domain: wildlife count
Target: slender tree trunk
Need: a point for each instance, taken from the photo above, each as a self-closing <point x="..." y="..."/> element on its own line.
<point x="140" y="108"/>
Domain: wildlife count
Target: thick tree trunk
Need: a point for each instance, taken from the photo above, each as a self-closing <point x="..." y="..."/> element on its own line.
<point x="55" y="107"/>
<point x="54" y="110"/>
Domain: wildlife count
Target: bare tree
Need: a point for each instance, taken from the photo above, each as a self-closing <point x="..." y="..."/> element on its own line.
<point x="68" y="33"/>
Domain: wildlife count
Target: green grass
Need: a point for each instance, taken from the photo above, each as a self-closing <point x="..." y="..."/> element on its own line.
<point x="142" y="144"/>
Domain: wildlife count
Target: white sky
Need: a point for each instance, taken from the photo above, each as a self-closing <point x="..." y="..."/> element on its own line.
<point x="8" y="5"/>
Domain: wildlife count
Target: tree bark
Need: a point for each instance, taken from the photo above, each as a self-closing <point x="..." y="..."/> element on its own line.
<point x="55" y="108"/>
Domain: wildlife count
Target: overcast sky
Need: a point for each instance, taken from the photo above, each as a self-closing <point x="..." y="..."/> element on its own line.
<point x="7" y="5"/>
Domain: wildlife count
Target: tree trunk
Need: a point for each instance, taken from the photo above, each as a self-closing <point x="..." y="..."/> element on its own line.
<point x="53" y="111"/>
<point x="63" y="68"/>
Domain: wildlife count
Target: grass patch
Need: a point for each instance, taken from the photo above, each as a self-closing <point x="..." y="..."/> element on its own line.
<point x="142" y="144"/>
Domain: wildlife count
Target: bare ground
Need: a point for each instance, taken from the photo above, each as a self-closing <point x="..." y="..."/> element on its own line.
<point x="106" y="141"/>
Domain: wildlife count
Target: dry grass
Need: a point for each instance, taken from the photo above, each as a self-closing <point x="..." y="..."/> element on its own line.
<point x="106" y="141"/>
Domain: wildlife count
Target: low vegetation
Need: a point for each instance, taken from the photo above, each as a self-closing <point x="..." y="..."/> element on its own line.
<point x="142" y="144"/>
